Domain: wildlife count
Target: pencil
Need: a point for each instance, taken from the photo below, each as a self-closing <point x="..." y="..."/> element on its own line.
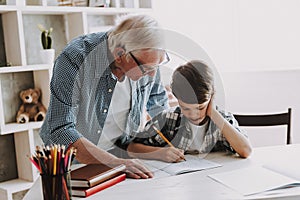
<point x="54" y="159"/>
<point x="165" y="139"/>
<point x="35" y="164"/>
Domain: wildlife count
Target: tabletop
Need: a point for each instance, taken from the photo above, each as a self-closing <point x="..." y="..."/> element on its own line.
<point x="198" y="185"/>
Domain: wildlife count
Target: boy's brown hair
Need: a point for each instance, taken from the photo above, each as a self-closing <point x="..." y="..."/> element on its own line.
<point x="193" y="82"/>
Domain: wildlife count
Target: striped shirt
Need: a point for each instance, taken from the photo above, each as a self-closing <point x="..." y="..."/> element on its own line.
<point x="81" y="90"/>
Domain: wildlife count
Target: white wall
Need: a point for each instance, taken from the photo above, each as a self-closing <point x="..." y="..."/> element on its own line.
<point x="209" y="23"/>
<point x="264" y="92"/>
<point x="253" y="43"/>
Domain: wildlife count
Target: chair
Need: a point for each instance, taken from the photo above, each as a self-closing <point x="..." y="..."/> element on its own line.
<point x="267" y="120"/>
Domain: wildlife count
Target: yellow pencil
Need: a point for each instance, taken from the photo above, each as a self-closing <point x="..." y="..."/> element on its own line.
<point x="54" y="159"/>
<point x="164" y="138"/>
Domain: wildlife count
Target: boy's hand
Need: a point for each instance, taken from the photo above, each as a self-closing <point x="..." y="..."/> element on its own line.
<point x="171" y="154"/>
<point x="211" y="107"/>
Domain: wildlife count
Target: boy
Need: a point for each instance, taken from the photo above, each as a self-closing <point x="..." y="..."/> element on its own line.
<point x="195" y="126"/>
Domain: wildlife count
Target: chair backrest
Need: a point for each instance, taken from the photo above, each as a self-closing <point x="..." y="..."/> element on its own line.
<point x="267" y="120"/>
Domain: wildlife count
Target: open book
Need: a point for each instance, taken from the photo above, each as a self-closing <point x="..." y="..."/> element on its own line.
<point x="255" y="180"/>
<point x="192" y="163"/>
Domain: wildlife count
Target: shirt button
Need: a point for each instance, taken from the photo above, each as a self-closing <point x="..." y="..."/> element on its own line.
<point x="105" y="110"/>
<point x="109" y="90"/>
<point x="99" y="131"/>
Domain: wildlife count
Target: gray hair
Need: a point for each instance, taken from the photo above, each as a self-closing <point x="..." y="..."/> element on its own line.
<point x="133" y="32"/>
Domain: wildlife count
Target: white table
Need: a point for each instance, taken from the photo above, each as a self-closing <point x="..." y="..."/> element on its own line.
<point x="196" y="185"/>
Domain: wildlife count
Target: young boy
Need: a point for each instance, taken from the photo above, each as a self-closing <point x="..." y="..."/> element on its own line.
<point x="195" y="126"/>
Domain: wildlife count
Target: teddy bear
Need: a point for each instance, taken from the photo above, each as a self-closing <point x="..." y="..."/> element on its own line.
<point x="31" y="108"/>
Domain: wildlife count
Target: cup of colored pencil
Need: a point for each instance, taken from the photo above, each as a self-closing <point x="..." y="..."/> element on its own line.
<point x="54" y="164"/>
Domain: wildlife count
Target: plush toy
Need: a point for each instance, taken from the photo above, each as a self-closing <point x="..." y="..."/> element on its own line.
<point x="31" y="109"/>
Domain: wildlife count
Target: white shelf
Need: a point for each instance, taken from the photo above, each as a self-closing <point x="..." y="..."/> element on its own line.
<point x="15" y="127"/>
<point x="4" y="9"/>
<point x="14" y="69"/>
<point x="54" y="10"/>
<point x="21" y="48"/>
<point x="8" y="188"/>
<point x="15" y="185"/>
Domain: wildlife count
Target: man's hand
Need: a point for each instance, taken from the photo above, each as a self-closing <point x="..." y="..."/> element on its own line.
<point x="88" y="153"/>
<point x="136" y="169"/>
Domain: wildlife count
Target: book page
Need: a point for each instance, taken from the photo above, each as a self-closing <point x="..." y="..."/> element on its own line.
<point x="192" y="163"/>
<point x="253" y="180"/>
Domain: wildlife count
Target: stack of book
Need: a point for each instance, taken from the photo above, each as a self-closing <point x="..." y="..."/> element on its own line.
<point x="93" y="178"/>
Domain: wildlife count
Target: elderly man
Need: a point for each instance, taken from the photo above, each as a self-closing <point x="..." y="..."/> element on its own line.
<point x="101" y="85"/>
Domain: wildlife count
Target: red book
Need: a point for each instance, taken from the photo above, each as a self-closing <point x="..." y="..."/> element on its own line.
<point x="93" y="174"/>
<point x="85" y="192"/>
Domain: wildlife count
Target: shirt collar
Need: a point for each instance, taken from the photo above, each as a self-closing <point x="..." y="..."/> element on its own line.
<point x="108" y="59"/>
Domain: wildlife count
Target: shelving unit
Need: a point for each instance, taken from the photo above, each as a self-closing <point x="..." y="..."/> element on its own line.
<point x="22" y="46"/>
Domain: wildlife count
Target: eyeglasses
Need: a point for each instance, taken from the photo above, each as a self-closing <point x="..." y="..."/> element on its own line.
<point x="147" y="69"/>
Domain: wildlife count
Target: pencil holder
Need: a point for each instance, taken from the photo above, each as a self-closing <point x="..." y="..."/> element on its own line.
<point x="57" y="187"/>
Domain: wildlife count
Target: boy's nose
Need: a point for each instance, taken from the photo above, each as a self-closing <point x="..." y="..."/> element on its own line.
<point x="195" y="114"/>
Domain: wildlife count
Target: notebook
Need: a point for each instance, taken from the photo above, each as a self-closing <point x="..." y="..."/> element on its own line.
<point x="192" y="164"/>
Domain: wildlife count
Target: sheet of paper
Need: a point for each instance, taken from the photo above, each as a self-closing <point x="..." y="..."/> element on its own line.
<point x="192" y="163"/>
<point x="292" y="193"/>
<point x="253" y="180"/>
<point x="291" y="170"/>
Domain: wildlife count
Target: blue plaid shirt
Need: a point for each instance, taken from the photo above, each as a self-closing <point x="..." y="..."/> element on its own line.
<point x="81" y="90"/>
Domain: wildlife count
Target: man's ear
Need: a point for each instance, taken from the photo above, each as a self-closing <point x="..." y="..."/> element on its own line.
<point x="118" y="52"/>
